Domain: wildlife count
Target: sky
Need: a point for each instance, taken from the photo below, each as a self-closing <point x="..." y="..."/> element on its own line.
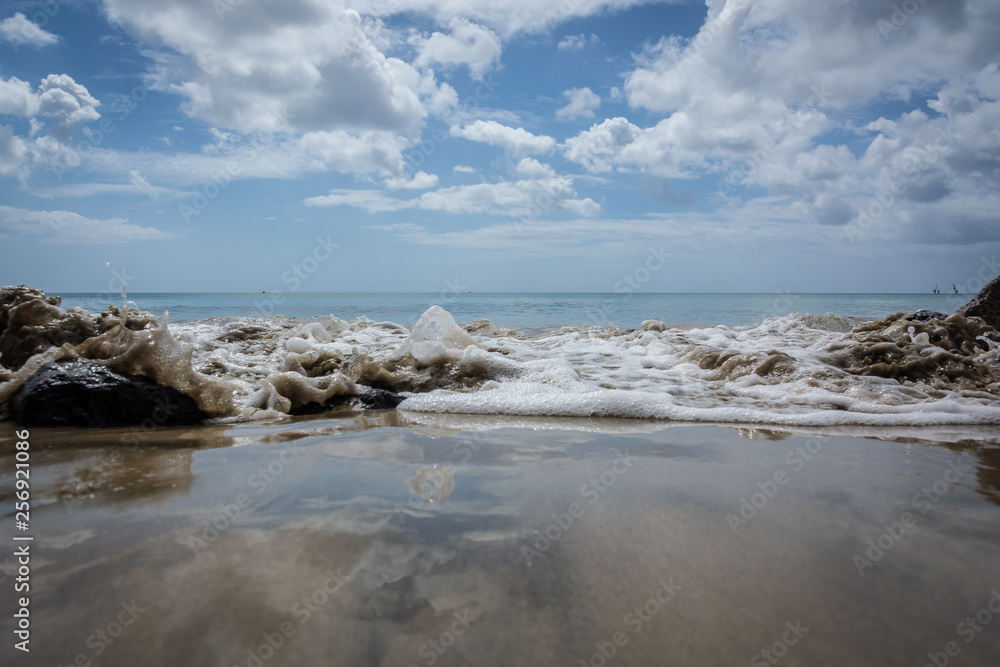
<point x="508" y="145"/>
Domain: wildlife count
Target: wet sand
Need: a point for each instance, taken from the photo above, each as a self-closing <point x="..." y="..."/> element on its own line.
<point x="424" y="541"/>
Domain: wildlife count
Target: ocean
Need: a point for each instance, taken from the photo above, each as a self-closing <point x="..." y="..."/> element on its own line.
<point x="526" y="309"/>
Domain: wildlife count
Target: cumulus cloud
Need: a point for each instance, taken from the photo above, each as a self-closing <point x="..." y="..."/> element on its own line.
<point x="752" y="101"/>
<point x="316" y="65"/>
<point x="331" y="82"/>
<point x="19" y="31"/>
<point x="56" y="109"/>
<point x="65" y="100"/>
<point x="69" y="227"/>
<point x="299" y="65"/>
<point x="598" y="148"/>
<point x="58" y="96"/>
<point x="17" y="98"/>
<point x="13" y="152"/>
<point x="516" y="141"/>
<point x="581" y="103"/>
<point x="783" y="48"/>
<point x="468" y="44"/>
<point x="529" y="167"/>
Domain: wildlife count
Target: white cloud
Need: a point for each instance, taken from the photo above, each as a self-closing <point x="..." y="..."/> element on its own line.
<point x="96" y="189"/>
<point x="69" y="102"/>
<point x="506" y="17"/>
<point x="598" y="148"/>
<point x="373" y="201"/>
<point x="464" y="169"/>
<point x="17" y="98"/>
<point x="58" y="99"/>
<point x="590" y="236"/>
<point x="581" y="104"/>
<point x="420" y="181"/>
<point x="319" y="65"/>
<point x="351" y="152"/>
<point x="58" y="96"/>
<point x="531" y="168"/>
<point x="69" y="227"/>
<point x="537" y="190"/>
<point x="576" y="42"/>
<point x="138" y="182"/>
<point x="263" y="155"/>
<point x="19" y="31"/>
<point x="299" y="65"/>
<point x="518" y="142"/>
<point x="327" y="80"/>
<point x="469" y="44"/>
<point x="782" y="49"/>
<point x="13" y="152"/>
<point x="524" y="198"/>
<point x="752" y="99"/>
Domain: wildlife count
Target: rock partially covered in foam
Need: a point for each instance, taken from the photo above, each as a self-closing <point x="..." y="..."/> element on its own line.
<point x="653" y="325"/>
<point x="297" y="394"/>
<point x="986" y="305"/>
<point x="31" y="322"/>
<point x="954" y="353"/>
<point x="80" y="392"/>
<point x="925" y="316"/>
<point x="435" y="339"/>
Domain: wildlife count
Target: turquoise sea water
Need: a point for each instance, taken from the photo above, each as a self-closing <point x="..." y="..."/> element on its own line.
<point x="527" y="309"/>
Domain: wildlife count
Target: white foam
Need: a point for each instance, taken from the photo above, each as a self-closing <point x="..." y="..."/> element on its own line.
<point x="777" y="372"/>
<point x="772" y="373"/>
<point x="435" y="339"/>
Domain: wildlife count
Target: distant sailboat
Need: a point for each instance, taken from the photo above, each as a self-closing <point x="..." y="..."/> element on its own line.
<point x="954" y="289"/>
<point x="936" y="290"/>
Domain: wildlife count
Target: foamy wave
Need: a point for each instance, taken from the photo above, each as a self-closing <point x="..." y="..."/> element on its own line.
<point x="798" y="370"/>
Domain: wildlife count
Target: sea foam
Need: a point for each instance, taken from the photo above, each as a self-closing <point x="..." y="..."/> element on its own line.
<point x="795" y="370"/>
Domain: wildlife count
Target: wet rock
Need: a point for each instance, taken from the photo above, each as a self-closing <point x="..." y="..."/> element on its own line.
<point x="80" y="392"/>
<point x="379" y="399"/>
<point x="986" y="304"/>
<point x="949" y="354"/>
<point x="925" y="316"/>
<point x="372" y="399"/>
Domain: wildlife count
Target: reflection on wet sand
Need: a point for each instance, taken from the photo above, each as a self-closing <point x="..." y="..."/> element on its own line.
<point x="988" y="472"/>
<point x="324" y="541"/>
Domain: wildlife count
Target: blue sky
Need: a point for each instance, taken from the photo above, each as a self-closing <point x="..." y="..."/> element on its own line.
<point x="510" y="145"/>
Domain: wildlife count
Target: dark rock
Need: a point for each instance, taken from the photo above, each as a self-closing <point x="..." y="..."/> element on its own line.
<point x="379" y="399"/>
<point x="80" y="392"/>
<point x="986" y="305"/>
<point x="925" y="315"/>
<point x="372" y="399"/>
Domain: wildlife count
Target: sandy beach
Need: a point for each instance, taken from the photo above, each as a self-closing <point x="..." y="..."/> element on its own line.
<point x="465" y="540"/>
